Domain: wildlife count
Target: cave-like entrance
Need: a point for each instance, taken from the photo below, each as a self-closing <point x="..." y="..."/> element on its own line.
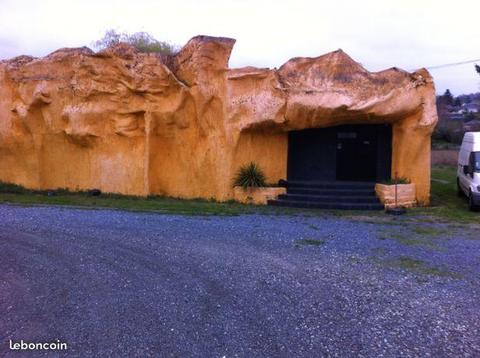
<point x="343" y="153"/>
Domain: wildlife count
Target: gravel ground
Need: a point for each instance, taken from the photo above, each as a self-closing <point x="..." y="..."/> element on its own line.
<point x="113" y="283"/>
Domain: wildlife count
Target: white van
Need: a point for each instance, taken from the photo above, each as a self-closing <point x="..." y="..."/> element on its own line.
<point x="468" y="172"/>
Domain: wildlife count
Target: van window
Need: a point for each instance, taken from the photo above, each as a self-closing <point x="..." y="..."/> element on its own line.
<point x="475" y="161"/>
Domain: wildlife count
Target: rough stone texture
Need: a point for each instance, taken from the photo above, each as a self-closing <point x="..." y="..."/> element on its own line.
<point x="405" y="195"/>
<point x="136" y="123"/>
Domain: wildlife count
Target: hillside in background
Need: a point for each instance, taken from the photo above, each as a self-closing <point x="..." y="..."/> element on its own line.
<point x="456" y="115"/>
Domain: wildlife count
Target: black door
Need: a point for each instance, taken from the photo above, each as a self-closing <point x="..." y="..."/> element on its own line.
<point x="357" y="153"/>
<point x="351" y="153"/>
<point x="311" y="155"/>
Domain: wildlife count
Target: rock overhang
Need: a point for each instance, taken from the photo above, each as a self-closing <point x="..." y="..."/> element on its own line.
<point x="193" y="96"/>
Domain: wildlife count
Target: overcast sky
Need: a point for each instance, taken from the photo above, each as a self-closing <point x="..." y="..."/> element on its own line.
<point x="377" y="33"/>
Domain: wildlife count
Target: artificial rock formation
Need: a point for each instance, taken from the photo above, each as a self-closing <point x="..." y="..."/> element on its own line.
<point x="136" y="123"/>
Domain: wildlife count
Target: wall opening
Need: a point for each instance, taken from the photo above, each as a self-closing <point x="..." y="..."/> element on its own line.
<point x="341" y="153"/>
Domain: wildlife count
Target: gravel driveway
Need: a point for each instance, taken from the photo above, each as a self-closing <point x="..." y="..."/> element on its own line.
<point x="113" y="283"/>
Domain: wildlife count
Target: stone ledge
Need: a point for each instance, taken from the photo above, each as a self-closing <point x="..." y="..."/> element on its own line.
<point x="405" y="195"/>
<point x="257" y="196"/>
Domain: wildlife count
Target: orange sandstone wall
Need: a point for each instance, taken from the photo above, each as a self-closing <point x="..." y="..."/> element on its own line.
<point x="268" y="150"/>
<point x="136" y="123"/>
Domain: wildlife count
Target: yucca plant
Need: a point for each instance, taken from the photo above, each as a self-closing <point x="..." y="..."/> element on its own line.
<point x="249" y="175"/>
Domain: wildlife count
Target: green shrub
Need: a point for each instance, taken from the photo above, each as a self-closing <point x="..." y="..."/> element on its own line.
<point x="249" y="175"/>
<point x="142" y="41"/>
<point x="399" y="180"/>
<point x="10" y="188"/>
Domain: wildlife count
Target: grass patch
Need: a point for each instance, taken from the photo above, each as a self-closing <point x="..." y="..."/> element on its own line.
<point x="418" y="266"/>
<point x="312" y="242"/>
<point x="409" y="239"/>
<point x="151" y="204"/>
<point x="398" y="236"/>
<point x="427" y="231"/>
<point x="378" y="218"/>
<point x="354" y="259"/>
<point x="15" y="194"/>
<point x="10" y="193"/>
<point x="445" y="205"/>
<point x="408" y="263"/>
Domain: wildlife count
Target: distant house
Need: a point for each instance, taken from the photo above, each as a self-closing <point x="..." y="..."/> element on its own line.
<point x="456" y="116"/>
<point x="471" y="107"/>
<point x="454" y="111"/>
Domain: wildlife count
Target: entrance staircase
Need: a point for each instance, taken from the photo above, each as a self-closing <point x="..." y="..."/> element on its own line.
<point x="329" y="195"/>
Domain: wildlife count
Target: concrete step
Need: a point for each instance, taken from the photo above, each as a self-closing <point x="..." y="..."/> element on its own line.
<point x="328" y="184"/>
<point x="326" y="205"/>
<point x="354" y="199"/>
<point x="331" y="191"/>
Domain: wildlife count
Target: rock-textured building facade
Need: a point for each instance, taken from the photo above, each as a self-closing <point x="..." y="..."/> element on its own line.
<point x="137" y="123"/>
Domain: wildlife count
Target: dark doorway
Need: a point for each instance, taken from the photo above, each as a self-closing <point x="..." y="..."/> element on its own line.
<point x="346" y="153"/>
<point x="310" y="154"/>
<point x="356" y="153"/>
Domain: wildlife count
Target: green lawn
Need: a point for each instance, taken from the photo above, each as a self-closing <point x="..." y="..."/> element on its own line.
<point x="446" y="206"/>
<point x="15" y="194"/>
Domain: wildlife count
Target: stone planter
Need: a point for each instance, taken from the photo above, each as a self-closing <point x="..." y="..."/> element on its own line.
<point x="257" y="196"/>
<point x="405" y="195"/>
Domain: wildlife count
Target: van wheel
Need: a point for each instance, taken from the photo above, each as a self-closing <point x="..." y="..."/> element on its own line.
<point x="471" y="205"/>
<point x="460" y="192"/>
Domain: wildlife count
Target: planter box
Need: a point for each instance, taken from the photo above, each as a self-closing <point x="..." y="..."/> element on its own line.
<point x="257" y="196"/>
<point x="405" y="195"/>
